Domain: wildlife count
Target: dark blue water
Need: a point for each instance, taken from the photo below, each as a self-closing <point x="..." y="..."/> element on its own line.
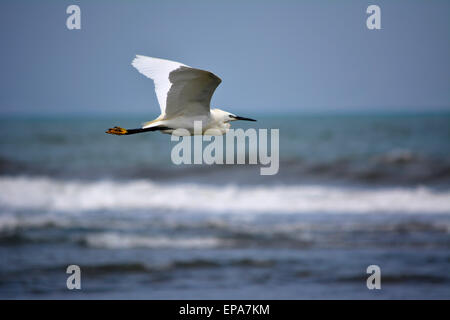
<point x="352" y="191"/>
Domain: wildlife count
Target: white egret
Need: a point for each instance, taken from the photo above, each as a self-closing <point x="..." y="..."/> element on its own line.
<point x="184" y="96"/>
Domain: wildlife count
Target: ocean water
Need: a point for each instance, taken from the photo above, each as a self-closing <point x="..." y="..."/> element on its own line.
<point x="352" y="191"/>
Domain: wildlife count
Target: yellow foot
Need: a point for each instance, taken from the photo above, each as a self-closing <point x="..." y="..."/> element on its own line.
<point x="117" y="130"/>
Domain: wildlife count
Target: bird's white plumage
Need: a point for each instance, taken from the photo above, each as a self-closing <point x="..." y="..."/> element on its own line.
<point x="158" y="70"/>
<point x="180" y="89"/>
<point x="184" y="95"/>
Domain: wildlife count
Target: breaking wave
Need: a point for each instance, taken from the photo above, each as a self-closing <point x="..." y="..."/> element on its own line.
<point x="58" y="195"/>
<point x="111" y="240"/>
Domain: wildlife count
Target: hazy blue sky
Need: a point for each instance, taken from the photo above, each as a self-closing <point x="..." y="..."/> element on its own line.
<point x="271" y="55"/>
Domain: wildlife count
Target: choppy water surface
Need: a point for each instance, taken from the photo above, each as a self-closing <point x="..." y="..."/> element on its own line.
<point x="351" y="191"/>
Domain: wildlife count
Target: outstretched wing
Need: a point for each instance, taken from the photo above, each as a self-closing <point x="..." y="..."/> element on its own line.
<point x="180" y="89"/>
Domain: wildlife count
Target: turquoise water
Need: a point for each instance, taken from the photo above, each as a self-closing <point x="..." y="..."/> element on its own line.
<point x="352" y="190"/>
<point x="400" y="149"/>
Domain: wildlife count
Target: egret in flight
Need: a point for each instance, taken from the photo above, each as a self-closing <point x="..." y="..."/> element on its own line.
<point x="184" y="96"/>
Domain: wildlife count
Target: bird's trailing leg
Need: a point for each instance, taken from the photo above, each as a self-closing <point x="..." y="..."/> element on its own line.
<point x="121" y="131"/>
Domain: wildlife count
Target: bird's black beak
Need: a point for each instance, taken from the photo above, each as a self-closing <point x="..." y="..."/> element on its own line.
<point x="242" y="118"/>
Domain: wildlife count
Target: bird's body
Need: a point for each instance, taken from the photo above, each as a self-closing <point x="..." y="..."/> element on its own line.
<point x="212" y="123"/>
<point x="184" y="95"/>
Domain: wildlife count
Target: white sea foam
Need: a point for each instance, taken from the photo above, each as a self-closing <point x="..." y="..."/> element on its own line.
<point x="74" y="196"/>
<point x="10" y="221"/>
<point x="110" y="240"/>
